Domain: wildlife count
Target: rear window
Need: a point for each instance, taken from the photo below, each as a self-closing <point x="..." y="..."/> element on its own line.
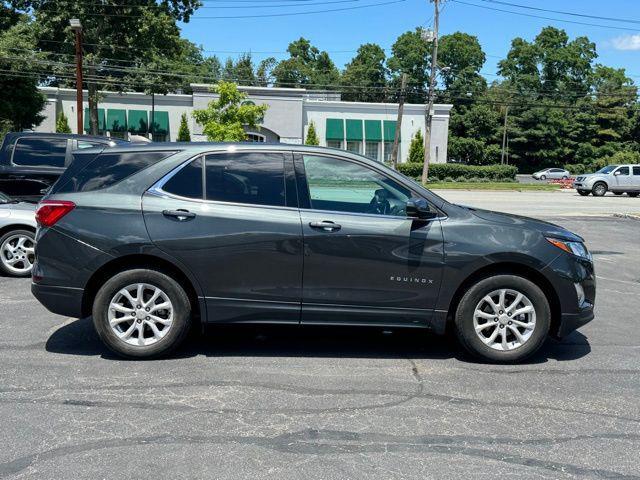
<point x="107" y="169"/>
<point x="40" y="152"/>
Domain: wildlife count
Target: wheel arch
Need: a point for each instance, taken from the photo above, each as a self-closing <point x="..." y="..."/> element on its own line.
<point x="133" y="261"/>
<point x="509" y="268"/>
<point x="17" y="226"/>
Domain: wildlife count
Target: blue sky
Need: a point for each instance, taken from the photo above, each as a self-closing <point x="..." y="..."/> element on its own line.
<point x="340" y="33"/>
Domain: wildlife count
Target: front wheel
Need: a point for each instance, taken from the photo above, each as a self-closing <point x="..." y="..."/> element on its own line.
<point x="543" y="177"/>
<point x="599" y="189"/>
<point x="633" y="194"/>
<point x="142" y="313"/>
<point x="503" y="319"/>
<point x="17" y="253"/>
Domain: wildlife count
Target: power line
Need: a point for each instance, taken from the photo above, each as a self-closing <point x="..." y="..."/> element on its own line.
<point x="573" y="14"/>
<point x="545" y="18"/>
<point x="242" y="6"/>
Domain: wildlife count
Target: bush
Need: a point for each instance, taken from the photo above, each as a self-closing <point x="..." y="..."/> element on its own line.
<point x="416" y="149"/>
<point x="458" y="172"/>
<point x="577" y="169"/>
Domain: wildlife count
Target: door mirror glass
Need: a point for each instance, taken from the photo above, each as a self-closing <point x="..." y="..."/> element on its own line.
<point x="419" y="208"/>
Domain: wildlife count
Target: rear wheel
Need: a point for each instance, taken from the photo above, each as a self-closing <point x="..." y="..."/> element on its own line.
<point x="633" y="194"/>
<point x="599" y="189"/>
<point x="584" y="193"/>
<point x="504" y="319"/>
<point x="142" y="313"/>
<point x="17" y="253"/>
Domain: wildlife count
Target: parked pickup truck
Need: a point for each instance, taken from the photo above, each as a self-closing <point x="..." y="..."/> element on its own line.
<point x="31" y="162"/>
<point x="617" y="179"/>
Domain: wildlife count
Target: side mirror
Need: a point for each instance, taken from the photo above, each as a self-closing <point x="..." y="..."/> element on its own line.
<point x="419" y="208"/>
<point x="617" y="172"/>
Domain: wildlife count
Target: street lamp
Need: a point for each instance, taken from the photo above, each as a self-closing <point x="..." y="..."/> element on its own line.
<point x="76" y="26"/>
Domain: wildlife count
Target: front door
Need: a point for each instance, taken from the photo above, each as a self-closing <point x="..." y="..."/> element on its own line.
<point x="622" y="181"/>
<point x="365" y="262"/>
<point x="225" y="217"/>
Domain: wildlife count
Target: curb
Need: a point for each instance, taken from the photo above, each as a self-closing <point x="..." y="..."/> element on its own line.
<point x="631" y="216"/>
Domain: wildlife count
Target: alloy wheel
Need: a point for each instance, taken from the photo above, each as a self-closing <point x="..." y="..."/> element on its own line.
<point x="504" y="319"/>
<point x="140" y="314"/>
<point x="17" y="254"/>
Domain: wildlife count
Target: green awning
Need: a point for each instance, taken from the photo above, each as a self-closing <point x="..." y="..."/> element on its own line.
<point x="161" y="123"/>
<point x="390" y="130"/>
<point x="102" y="124"/>
<point x="335" y="129"/>
<point x="138" y="121"/>
<point x="116" y="120"/>
<point x="373" y="130"/>
<point x="354" y="130"/>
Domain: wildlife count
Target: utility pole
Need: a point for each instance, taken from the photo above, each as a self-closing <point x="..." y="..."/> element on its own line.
<point x="153" y="111"/>
<point x="396" y="139"/>
<point x="432" y="86"/>
<point x="504" y="135"/>
<point x="77" y="27"/>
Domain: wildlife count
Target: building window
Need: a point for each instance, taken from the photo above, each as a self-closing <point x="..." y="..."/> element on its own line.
<point x="354" y="146"/>
<point x="118" y="134"/>
<point x="255" y="138"/>
<point x="334" y="144"/>
<point x="388" y="148"/>
<point x="159" y="137"/>
<point x="372" y="150"/>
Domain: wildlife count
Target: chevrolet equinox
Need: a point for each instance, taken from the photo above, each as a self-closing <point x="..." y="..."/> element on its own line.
<point x="148" y="239"/>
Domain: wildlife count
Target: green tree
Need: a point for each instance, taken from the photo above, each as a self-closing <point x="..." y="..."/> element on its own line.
<point x="306" y="66"/>
<point x="183" y="131"/>
<point x="225" y="118"/>
<point x="21" y="103"/>
<point x="312" y="136"/>
<point x="264" y="71"/>
<point x="123" y="42"/>
<point x="62" y="124"/>
<point x="365" y="76"/>
<point x="416" y="148"/>
<point x="411" y="55"/>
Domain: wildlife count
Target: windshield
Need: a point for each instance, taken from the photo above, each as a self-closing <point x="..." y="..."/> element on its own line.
<point x="607" y="169"/>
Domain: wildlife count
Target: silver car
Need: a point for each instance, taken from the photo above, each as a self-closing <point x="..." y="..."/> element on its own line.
<point x="617" y="179"/>
<point x="17" y="237"/>
<point x="552" y="174"/>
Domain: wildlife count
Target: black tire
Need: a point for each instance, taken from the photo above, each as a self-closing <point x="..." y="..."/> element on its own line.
<point x="465" y="312"/>
<point x="181" y="313"/>
<point x="584" y="193"/>
<point x="599" y="189"/>
<point x="565" y="177"/>
<point x="543" y="177"/>
<point x="4" y="268"/>
<point x="633" y="194"/>
<point x="618" y="193"/>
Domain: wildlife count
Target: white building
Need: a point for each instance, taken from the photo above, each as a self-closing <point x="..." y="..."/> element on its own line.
<point x="367" y="128"/>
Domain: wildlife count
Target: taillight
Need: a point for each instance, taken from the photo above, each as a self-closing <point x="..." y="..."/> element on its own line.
<point x="50" y="211"/>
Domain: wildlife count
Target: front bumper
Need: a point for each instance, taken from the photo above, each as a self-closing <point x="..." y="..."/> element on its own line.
<point x="65" y="301"/>
<point x="572" y="321"/>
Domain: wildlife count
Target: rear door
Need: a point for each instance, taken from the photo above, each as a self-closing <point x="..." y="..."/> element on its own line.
<point x="635" y="179"/>
<point x="35" y="162"/>
<point x="365" y="262"/>
<point x="231" y="219"/>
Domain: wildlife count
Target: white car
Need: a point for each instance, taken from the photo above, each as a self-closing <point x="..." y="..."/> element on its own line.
<point x="17" y="237"/>
<point x="617" y="179"/>
<point x="552" y="174"/>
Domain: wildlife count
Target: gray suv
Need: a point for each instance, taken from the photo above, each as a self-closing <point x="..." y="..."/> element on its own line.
<point x="149" y="239"/>
<point x="617" y="179"/>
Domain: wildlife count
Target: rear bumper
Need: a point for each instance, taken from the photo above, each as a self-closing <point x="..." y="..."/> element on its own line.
<point x="65" y="301"/>
<point x="572" y="321"/>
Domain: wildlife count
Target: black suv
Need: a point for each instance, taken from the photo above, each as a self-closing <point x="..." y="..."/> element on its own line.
<point x="147" y="239"/>
<point x="31" y="162"/>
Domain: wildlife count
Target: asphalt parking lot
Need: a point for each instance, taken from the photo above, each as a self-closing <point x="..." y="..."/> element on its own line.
<point x="326" y="403"/>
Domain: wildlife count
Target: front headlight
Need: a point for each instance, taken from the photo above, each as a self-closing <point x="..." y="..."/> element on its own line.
<point x="576" y="248"/>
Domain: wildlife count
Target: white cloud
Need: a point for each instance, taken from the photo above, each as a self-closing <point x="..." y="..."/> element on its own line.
<point x="626" y="42"/>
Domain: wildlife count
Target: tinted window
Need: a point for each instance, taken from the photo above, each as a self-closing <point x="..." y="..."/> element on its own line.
<point x="110" y="168"/>
<point x="344" y="186"/>
<point x="40" y="152"/>
<point x="187" y="182"/>
<point x="623" y="171"/>
<point x="636" y="170"/>
<point x="254" y="178"/>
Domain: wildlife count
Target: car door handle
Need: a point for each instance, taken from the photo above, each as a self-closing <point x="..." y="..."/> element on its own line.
<point x="326" y="225"/>
<point x="180" y="214"/>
